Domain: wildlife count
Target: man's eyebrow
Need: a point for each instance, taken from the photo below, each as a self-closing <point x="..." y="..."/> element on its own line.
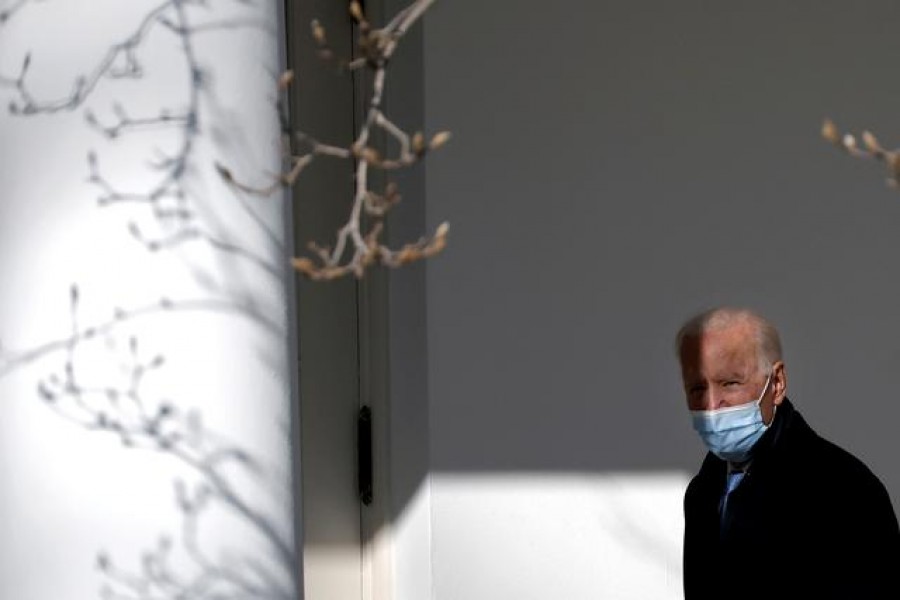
<point x="731" y="375"/>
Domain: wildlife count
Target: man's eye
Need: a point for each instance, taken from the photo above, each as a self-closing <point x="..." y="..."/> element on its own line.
<point x="732" y="383"/>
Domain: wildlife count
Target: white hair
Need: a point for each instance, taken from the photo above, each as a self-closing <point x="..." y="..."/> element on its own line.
<point x="768" y="342"/>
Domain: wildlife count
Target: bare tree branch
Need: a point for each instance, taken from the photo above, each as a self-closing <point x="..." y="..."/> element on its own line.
<point x="869" y="148"/>
<point x="357" y="246"/>
<point x="9" y="11"/>
<point x="13" y="359"/>
<point x="167" y="198"/>
<point x="85" y="84"/>
<point x="123" y="410"/>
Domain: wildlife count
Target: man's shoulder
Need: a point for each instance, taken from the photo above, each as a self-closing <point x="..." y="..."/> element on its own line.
<point x="836" y="460"/>
<point x="825" y="458"/>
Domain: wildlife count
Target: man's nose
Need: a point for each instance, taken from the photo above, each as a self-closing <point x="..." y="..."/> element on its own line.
<point x="712" y="399"/>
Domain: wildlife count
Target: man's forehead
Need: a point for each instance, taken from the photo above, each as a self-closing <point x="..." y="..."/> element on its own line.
<point x="739" y="335"/>
<point x="722" y="347"/>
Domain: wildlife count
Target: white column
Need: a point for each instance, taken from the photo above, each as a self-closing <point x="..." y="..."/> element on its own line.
<point x="144" y="373"/>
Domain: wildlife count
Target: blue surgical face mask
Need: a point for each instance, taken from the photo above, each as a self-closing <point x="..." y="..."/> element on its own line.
<point x="731" y="432"/>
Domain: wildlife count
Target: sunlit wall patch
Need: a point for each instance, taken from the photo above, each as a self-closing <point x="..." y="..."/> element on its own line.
<point x="144" y="372"/>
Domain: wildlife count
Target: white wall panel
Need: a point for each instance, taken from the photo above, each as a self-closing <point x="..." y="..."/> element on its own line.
<point x="210" y="300"/>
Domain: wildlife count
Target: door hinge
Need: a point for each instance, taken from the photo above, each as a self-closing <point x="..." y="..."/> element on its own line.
<point x="364" y="454"/>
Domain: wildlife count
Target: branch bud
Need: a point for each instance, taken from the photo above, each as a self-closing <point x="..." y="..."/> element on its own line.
<point x="285" y="80"/>
<point x="418" y="143"/>
<point x="304" y="265"/>
<point x="370" y="155"/>
<point x="318" y="33"/>
<point x="849" y="142"/>
<point x="224" y="173"/>
<point x="392" y="193"/>
<point x="356" y="11"/>
<point x="408" y="254"/>
<point x="830" y="132"/>
<point x="440" y="240"/>
<point x="893" y="161"/>
<point x="871" y="143"/>
<point x="439" y="140"/>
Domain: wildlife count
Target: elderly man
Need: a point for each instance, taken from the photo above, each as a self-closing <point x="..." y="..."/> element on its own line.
<point x="776" y="511"/>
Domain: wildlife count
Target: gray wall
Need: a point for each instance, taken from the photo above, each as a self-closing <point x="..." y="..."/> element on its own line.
<point x="617" y="166"/>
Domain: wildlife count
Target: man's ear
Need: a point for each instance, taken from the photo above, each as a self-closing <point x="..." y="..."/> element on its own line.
<point x="779" y="382"/>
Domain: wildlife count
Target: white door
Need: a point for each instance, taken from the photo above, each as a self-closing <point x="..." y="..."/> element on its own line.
<point x="339" y="324"/>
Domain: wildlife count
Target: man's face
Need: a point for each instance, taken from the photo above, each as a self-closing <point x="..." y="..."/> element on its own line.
<point x="720" y="368"/>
